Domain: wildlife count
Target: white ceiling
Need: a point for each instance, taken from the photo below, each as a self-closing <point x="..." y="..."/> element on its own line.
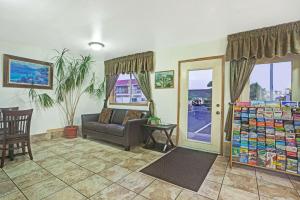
<point x="129" y="26"/>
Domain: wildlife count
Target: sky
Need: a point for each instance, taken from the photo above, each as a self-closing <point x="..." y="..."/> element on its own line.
<point x="198" y="79"/>
<point x="282" y="75"/>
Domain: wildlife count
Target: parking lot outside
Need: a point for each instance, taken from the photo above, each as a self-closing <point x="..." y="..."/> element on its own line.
<point x="199" y="123"/>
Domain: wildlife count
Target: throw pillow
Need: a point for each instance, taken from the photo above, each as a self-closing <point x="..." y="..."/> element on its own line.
<point x="132" y="114"/>
<point x="105" y="115"/>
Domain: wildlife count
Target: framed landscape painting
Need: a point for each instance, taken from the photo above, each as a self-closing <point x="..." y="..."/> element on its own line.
<point x="26" y="73"/>
<point x="164" y="79"/>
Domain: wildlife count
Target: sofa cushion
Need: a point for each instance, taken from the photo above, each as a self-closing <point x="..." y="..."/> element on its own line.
<point x="115" y="129"/>
<point x="96" y="126"/>
<point x="132" y="114"/>
<point x="105" y="115"/>
<point x="118" y="116"/>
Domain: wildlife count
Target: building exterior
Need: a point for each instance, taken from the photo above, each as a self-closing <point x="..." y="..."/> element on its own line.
<point x="127" y="91"/>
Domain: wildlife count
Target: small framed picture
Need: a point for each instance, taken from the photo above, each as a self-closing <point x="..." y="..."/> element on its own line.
<point x="164" y="79"/>
<point x="21" y="72"/>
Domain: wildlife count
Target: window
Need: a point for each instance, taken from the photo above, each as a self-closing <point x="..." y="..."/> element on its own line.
<point x="271" y="82"/>
<point x="127" y="90"/>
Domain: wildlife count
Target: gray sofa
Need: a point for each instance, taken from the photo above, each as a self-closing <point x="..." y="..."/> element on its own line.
<point x="130" y="134"/>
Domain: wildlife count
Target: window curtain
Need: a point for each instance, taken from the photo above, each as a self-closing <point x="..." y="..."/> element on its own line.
<point x="243" y="49"/>
<point x="143" y="80"/>
<point x="140" y="64"/>
<point x="240" y="72"/>
<point x="110" y="82"/>
<point x="136" y="63"/>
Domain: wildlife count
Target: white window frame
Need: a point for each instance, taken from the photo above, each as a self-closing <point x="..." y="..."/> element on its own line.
<point x="295" y="76"/>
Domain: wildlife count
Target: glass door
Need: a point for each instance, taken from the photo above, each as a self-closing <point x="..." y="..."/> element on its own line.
<point x="200" y="104"/>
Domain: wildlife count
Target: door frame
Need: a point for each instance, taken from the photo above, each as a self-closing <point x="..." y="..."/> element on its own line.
<point x="222" y="57"/>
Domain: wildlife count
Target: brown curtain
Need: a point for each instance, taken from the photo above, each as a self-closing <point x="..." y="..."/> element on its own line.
<point x="269" y="42"/>
<point x="245" y="48"/>
<point x="240" y="72"/>
<point x="137" y="63"/>
<point x="110" y="82"/>
<point x="143" y="80"/>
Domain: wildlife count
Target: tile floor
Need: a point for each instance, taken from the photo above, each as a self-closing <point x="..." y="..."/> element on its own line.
<point x="77" y="169"/>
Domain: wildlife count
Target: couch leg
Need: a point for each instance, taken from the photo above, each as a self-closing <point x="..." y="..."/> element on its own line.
<point x="127" y="148"/>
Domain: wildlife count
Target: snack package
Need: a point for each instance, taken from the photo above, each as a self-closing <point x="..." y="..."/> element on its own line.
<point x="235" y="151"/>
<point x="272" y="104"/>
<point x="277" y="114"/>
<point x="261" y="145"/>
<point x="269" y="123"/>
<point x="252" y="122"/>
<point x="271" y="160"/>
<point x="292" y="165"/>
<point x="252" y="158"/>
<point x="252" y="113"/>
<point x="261" y="158"/>
<point x="278" y="123"/>
<point x="286" y="113"/>
<point x="289" y="126"/>
<point x="289" y="104"/>
<point x="243" y="158"/>
<point x="243" y="104"/>
<point x="281" y="162"/>
<point x="258" y="103"/>
<point x="270" y="131"/>
<point x="268" y="115"/>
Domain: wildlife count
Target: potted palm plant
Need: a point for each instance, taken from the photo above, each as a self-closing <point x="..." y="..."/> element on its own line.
<point x="73" y="79"/>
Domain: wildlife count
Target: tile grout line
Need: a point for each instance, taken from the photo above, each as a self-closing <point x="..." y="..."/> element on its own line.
<point x="289" y="176"/>
<point x="257" y="185"/>
<point x="47" y="149"/>
<point x="93" y="173"/>
<point x="227" y="165"/>
<point x="181" y="190"/>
<point x="146" y="188"/>
<point x="49" y="178"/>
<point x="15" y="185"/>
<point x="56" y="176"/>
<point x="112" y="182"/>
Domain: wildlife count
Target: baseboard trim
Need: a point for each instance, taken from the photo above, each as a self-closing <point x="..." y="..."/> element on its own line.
<point x="49" y="135"/>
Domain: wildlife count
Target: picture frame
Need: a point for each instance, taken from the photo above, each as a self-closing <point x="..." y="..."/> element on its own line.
<point x="164" y="79"/>
<point x="19" y="72"/>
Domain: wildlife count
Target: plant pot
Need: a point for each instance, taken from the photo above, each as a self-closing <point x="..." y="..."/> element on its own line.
<point x="71" y="131"/>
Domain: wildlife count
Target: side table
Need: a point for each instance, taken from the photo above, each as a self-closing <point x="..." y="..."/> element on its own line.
<point x="165" y="128"/>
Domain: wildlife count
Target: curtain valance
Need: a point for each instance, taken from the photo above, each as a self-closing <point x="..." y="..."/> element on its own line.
<point x="268" y="42"/>
<point x="136" y="63"/>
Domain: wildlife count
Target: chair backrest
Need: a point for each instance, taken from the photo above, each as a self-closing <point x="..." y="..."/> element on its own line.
<point x="16" y="123"/>
<point x="1" y="114"/>
<point x="8" y="108"/>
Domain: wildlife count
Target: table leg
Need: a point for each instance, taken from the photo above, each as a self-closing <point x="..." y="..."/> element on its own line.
<point x="169" y="140"/>
<point x="150" y="137"/>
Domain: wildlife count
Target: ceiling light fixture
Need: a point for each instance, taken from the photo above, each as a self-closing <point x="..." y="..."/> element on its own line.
<point x="96" y="45"/>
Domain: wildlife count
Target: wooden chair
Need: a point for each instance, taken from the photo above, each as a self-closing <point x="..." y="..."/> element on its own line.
<point x="1" y="114"/>
<point x="16" y="130"/>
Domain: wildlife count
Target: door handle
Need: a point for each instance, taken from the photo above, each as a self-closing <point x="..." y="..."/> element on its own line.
<point x="218" y="105"/>
<point x="218" y="112"/>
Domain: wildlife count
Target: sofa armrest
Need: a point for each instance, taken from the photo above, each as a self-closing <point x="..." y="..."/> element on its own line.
<point x="89" y="118"/>
<point x="134" y="132"/>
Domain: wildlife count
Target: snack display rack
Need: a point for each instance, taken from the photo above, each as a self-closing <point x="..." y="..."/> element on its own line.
<point x="266" y="134"/>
